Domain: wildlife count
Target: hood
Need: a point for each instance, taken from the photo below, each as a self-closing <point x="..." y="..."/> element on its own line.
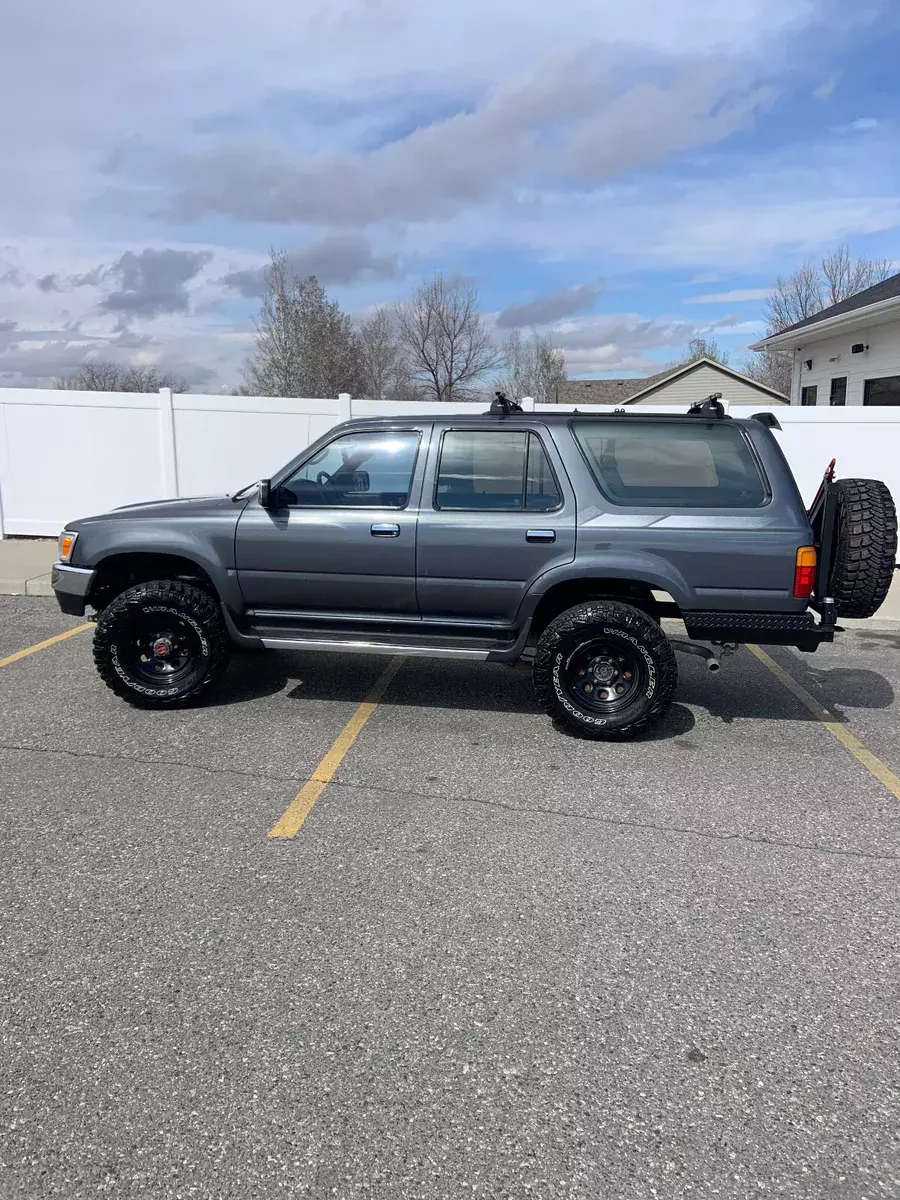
<point x="190" y="509"/>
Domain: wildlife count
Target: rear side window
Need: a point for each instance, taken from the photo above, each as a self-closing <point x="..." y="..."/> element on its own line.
<point x="672" y="465"/>
<point x="495" y="471"/>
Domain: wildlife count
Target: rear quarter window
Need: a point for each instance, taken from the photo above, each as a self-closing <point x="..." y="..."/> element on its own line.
<point x="672" y="465"/>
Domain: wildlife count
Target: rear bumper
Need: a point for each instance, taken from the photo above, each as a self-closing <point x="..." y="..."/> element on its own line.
<point x="769" y="629"/>
<point x="71" y="585"/>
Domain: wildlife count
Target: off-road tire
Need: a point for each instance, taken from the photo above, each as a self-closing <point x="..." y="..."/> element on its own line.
<point x="865" y="547"/>
<point x="170" y="602"/>
<point x="611" y="622"/>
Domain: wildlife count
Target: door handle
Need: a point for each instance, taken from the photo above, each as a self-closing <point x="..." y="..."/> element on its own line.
<point x="540" y="535"/>
<point x="385" y="531"/>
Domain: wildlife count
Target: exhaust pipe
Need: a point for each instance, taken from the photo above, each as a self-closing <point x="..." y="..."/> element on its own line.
<point x="709" y="654"/>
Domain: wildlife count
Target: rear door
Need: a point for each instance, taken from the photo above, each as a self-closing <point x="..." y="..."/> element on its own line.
<point x="497" y="511"/>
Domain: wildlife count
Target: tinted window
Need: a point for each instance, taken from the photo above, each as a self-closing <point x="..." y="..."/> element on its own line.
<point x="495" y="470"/>
<point x="882" y="391"/>
<point x="809" y="396"/>
<point x="677" y="466"/>
<point x="838" y="395"/>
<point x="358" y="470"/>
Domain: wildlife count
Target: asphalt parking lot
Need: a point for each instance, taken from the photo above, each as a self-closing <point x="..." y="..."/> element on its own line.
<point x="494" y="961"/>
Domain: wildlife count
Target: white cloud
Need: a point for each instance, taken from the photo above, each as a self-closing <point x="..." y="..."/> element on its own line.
<point x="737" y="296"/>
<point x="617" y="342"/>
<point x="863" y="124"/>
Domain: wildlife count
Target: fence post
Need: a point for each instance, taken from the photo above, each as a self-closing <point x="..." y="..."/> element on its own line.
<point x="345" y="407"/>
<point x="167" y="444"/>
<point x="527" y="403"/>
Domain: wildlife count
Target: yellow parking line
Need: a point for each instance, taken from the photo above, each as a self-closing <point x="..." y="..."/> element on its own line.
<point x="301" y="806"/>
<point x="60" y="637"/>
<point x="860" y="752"/>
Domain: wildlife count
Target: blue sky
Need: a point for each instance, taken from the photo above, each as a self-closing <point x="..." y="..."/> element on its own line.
<point x="619" y="176"/>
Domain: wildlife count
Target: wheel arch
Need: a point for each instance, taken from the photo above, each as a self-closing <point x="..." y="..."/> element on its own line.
<point x="566" y="593"/>
<point x="125" y="568"/>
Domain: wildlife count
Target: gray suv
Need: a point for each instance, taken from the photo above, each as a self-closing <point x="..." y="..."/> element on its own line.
<point x="563" y="538"/>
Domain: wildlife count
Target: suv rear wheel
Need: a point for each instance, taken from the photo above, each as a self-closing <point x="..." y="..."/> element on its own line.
<point x="161" y="644"/>
<point x="604" y="670"/>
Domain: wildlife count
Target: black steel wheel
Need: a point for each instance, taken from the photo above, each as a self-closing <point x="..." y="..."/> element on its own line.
<point x="604" y="676"/>
<point x="604" y="670"/>
<point x="161" y="644"/>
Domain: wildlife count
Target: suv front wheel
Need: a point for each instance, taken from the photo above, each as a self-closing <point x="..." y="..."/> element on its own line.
<point x="161" y="644"/>
<point x="604" y="670"/>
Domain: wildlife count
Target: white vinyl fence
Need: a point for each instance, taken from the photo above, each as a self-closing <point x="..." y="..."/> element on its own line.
<point x="71" y="454"/>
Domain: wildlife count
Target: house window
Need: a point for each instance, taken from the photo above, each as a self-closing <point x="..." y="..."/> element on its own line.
<point x="809" y="396"/>
<point x="838" y="396"/>
<point x="882" y="391"/>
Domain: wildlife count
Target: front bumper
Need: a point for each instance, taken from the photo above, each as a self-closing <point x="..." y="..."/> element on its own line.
<point x="72" y="585"/>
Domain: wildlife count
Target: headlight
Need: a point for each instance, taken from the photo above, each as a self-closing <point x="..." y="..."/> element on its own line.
<point x="66" y="545"/>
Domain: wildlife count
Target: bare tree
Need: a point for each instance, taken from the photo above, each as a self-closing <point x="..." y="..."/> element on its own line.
<point x="305" y="344"/>
<point x="795" y="298"/>
<point x="534" y="367"/>
<point x="844" y="276"/>
<point x="700" y="347"/>
<point x="381" y="360"/>
<point x="811" y="288"/>
<point x="772" y="368"/>
<point x="448" y="347"/>
<point x="101" y="375"/>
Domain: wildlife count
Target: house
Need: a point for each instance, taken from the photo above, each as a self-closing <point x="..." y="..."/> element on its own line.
<point x="848" y="353"/>
<point x="679" y="385"/>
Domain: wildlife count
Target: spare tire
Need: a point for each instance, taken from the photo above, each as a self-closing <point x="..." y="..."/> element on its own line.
<point x="865" y="547"/>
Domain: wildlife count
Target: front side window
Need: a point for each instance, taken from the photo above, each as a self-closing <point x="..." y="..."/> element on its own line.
<point x="495" y="471"/>
<point x="669" y="465"/>
<point x="357" y="470"/>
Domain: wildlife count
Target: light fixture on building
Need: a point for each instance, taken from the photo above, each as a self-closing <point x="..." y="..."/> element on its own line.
<point x="808" y="364"/>
<point x="858" y="348"/>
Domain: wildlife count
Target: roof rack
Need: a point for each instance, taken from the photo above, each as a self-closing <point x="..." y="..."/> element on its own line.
<point x="710" y="407"/>
<point x="503" y="407"/>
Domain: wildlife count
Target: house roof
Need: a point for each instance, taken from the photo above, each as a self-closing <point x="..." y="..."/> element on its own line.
<point x="878" y="294"/>
<point x="601" y="391"/>
<point x="629" y="391"/>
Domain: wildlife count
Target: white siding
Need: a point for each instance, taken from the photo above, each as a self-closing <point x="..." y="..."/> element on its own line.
<point x="882" y="358"/>
<point x="697" y="385"/>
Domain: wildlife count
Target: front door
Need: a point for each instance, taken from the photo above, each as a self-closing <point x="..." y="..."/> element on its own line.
<point x="340" y="532"/>
<point x="497" y="512"/>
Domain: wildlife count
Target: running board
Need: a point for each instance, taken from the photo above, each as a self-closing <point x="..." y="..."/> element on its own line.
<point x="345" y="646"/>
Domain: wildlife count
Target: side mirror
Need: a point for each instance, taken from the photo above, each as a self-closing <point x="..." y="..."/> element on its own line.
<point x="264" y="493"/>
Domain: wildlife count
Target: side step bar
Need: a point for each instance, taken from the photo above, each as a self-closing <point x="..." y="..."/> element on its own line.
<point x="345" y="646"/>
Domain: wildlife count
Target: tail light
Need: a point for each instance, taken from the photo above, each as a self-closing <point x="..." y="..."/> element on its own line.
<point x="805" y="572"/>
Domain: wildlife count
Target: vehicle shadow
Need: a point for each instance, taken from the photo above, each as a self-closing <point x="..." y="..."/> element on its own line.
<point x="737" y="692"/>
<point x="733" y="694"/>
<point x="422" y="683"/>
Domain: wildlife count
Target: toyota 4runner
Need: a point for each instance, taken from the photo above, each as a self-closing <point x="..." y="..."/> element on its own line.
<point x="562" y="538"/>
